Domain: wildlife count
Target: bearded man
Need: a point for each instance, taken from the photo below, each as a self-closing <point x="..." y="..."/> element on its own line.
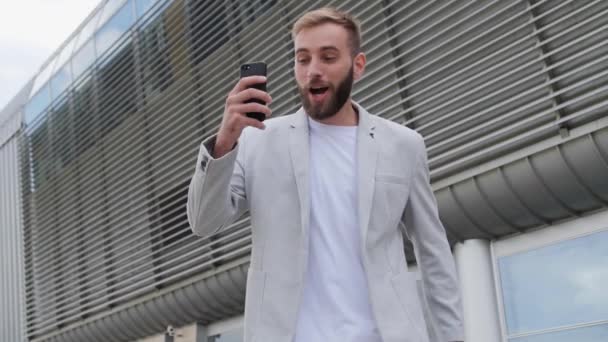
<point x="331" y="190"/>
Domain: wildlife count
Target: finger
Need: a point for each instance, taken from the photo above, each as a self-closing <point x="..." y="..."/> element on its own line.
<point x="250" y="93"/>
<point x="247" y="121"/>
<point x="252" y="107"/>
<point x="247" y="82"/>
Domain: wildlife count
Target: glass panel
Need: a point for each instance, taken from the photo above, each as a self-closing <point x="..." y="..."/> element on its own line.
<point x="65" y="54"/>
<point x="62" y="142"/>
<point x="142" y="6"/>
<point x="109" y="9"/>
<point x="209" y="28"/>
<point x="155" y="55"/>
<point x="40" y="147"/>
<point x="114" y="29"/>
<point x="556" y="286"/>
<point x="229" y="336"/>
<point x="116" y="80"/>
<point x="61" y="80"/>
<point x="83" y="59"/>
<point x="84" y="116"/>
<point x="43" y="76"/>
<point x="598" y="333"/>
<point x="37" y="104"/>
<point x="87" y="31"/>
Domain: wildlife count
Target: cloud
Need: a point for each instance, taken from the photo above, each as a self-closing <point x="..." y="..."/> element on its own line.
<point x="30" y="31"/>
<point x="590" y="282"/>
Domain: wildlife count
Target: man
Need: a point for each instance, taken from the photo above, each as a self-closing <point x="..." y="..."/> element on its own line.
<point x="329" y="190"/>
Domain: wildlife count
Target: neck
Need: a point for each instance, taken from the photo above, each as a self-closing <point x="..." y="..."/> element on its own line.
<point x="346" y="116"/>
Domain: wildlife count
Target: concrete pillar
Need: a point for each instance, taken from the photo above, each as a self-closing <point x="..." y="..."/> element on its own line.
<point x="481" y="316"/>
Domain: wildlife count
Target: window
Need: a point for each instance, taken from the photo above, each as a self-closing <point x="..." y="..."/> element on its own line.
<point x="208" y="27"/>
<point x="142" y="6"/>
<point x="37" y="104"/>
<point x="61" y="80"/>
<point x="62" y="137"/>
<point x="557" y="293"/>
<point x="87" y="31"/>
<point x="43" y="76"/>
<point x="155" y="54"/>
<point x="85" y="116"/>
<point x="109" y="9"/>
<point x="598" y="333"/>
<point x="114" y="28"/>
<point x="117" y="89"/>
<point x="83" y="59"/>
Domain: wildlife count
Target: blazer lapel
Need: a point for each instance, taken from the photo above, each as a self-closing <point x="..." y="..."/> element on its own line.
<point x="299" y="152"/>
<point x="367" y="156"/>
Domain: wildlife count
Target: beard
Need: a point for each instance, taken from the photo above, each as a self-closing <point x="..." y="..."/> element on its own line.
<point x="337" y="97"/>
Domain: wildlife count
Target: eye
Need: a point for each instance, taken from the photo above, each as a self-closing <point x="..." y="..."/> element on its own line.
<point x="302" y="60"/>
<point x="329" y="58"/>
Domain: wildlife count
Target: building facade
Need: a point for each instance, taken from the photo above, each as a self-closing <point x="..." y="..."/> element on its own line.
<point x="97" y="150"/>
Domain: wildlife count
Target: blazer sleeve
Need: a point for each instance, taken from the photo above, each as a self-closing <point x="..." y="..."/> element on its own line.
<point x="216" y="195"/>
<point x="433" y="255"/>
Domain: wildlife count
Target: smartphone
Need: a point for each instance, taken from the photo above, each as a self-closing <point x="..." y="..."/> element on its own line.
<point x="255" y="69"/>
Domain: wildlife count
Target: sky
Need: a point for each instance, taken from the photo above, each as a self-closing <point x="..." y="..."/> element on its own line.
<point x="30" y="31"/>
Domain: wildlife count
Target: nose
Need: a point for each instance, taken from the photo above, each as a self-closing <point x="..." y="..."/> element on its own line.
<point x="314" y="69"/>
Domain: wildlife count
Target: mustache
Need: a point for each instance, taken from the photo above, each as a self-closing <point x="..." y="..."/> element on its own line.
<point x="317" y="84"/>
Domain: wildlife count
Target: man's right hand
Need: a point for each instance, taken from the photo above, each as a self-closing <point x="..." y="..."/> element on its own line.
<point x="235" y="118"/>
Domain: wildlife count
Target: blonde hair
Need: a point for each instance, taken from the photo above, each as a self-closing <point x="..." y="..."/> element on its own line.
<point x="331" y="15"/>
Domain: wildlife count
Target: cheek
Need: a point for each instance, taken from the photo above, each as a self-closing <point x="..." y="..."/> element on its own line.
<point x="300" y="75"/>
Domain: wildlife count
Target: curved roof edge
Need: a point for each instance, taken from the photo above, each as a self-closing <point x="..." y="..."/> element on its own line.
<point x="552" y="181"/>
<point x="199" y="299"/>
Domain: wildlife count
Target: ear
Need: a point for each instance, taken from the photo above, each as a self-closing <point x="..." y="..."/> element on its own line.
<point x="359" y="65"/>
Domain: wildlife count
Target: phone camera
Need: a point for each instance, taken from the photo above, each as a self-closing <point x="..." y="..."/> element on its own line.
<point x="246" y="67"/>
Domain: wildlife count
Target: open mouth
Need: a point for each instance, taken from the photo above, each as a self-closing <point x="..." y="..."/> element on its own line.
<point x="318" y="90"/>
<point x="318" y="94"/>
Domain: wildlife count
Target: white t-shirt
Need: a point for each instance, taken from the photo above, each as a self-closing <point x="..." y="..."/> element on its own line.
<point x="335" y="304"/>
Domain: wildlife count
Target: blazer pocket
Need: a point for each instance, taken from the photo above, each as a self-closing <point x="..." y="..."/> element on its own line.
<point x="406" y="288"/>
<point x="391" y="197"/>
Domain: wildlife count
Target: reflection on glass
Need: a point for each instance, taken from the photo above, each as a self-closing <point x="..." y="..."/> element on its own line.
<point x="142" y="6"/>
<point x="61" y="80"/>
<point x="40" y="168"/>
<point x="43" y="76"/>
<point x="556" y="286"/>
<point x="229" y="336"/>
<point x="87" y="31"/>
<point x="83" y="59"/>
<point x="156" y="67"/>
<point x="108" y="10"/>
<point x="115" y="28"/>
<point x="84" y="116"/>
<point x="597" y="333"/>
<point x="37" y="104"/>
<point x="65" y="53"/>
<point x="62" y="137"/>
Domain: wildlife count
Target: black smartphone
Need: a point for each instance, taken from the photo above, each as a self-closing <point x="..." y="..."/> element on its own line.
<point x="255" y="69"/>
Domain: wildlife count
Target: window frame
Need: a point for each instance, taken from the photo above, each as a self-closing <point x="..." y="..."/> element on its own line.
<point x="539" y="238"/>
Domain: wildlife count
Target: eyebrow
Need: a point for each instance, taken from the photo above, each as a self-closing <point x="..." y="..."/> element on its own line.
<point x="323" y="48"/>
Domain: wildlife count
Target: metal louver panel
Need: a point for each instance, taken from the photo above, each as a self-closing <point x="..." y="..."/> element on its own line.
<point x="105" y="169"/>
<point x="11" y="244"/>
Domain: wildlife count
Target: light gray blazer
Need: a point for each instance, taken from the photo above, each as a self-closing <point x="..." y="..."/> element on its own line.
<point x="267" y="173"/>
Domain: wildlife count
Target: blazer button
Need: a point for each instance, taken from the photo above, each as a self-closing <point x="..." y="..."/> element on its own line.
<point x="204" y="163"/>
